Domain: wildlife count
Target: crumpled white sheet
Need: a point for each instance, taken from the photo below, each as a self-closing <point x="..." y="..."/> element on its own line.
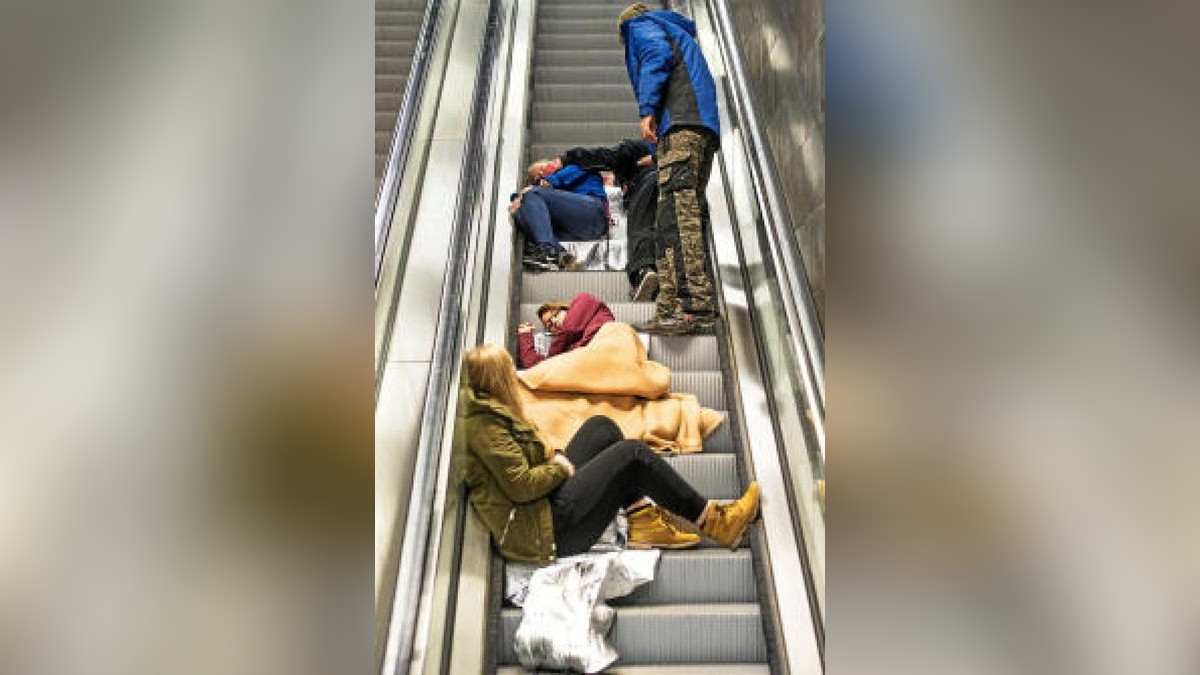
<point x="565" y="620"/>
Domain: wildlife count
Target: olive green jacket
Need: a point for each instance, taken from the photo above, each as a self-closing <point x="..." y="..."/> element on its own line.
<point x="508" y="477"/>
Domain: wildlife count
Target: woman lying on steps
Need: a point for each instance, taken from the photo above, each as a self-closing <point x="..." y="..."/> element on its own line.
<point x="572" y="325"/>
<point x="539" y="506"/>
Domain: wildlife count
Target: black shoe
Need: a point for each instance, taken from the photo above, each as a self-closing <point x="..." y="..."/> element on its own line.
<point x="539" y="259"/>
<point x="647" y="288"/>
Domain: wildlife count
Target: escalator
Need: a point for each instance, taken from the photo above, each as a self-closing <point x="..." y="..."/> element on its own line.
<point x="702" y="608"/>
<point x="550" y="75"/>
<point x="396" y="25"/>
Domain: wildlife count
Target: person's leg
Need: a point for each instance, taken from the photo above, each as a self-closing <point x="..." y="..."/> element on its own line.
<point x="533" y="218"/>
<point x="671" y="165"/>
<point x="640" y="208"/>
<point x="695" y="287"/>
<point x="585" y="504"/>
<point x="596" y="434"/>
<point x="574" y="217"/>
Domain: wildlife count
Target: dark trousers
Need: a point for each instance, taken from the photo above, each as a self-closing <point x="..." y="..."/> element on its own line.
<point x="685" y="158"/>
<point x="611" y="472"/>
<point x="641" y="202"/>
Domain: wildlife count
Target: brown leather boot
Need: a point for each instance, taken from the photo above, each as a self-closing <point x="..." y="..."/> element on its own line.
<point x="650" y="528"/>
<point x="727" y="522"/>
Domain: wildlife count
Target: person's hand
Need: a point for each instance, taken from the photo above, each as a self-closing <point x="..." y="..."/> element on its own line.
<point x="513" y="206"/>
<point x="562" y="459"/>
<point x="648" y="126"/>
<point x="544" y="183"/>
<point x="524" y="327"/>
<point x="646" y="161"/>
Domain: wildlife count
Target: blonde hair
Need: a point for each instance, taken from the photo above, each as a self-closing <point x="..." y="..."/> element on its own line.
<point x="490" y="372"/>
<point x="628" y="13"/>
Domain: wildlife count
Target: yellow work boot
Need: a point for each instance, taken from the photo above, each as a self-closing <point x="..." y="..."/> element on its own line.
<point x="727" y="522"/>
<point x="649" y="528"/>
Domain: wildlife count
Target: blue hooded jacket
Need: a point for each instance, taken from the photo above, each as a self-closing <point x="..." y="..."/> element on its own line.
<point x="670" y="77"/>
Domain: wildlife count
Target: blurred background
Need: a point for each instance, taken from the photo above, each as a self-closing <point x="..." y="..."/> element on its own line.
<point x="1009" y="299"/>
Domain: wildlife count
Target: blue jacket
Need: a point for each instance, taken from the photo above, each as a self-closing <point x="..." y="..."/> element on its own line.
<point x="669" y="74"/>
<point x="581" y="182"/>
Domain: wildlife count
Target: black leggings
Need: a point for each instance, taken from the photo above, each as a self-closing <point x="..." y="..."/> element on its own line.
<point x="611" y="472"/>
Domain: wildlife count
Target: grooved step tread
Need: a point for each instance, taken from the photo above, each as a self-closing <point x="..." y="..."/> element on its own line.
<point x="602" y="111"/>
<point x="698" y="576"/>
<point x="672" y="634"/>
<point x="690" y="669"/>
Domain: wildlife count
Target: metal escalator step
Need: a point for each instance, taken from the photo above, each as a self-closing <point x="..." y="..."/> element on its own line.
<point x="608" y="286"/>
<point x="628" y="312"/>
<point x="399" y="17"/>
<point x="708" y="386"/>
<point x="721" y="439"/>
<point x="664" y="634"/>
<point x="686" y="353"/>
<point x="392" y="65"/>
<point x="400" y="4"/>
<point x="691" y="669"/>
<point x="604" y="56"/>
<point x="698" y="575"/>
<point x="713" y="476"/>
<point x="388" y="101"/>
<point x="593" y="26"/>
<point x="585" y="133"/>
<point x="606" y="42"/>
<point x="406" y="32"/>
<point x="390" y="82"/>
<point x="575" y="91"/>
<point x="397" y="48"/>
<point x="385" y="119"/>
<point x="580" y="111"/>
<point x="581" y="11"/>
<point x="591" y="75"/>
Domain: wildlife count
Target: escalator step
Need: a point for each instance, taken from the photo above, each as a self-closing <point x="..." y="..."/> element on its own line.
<point x="575" y="91"/>
<point x="663" y="634"/>
<point x="397" y="48"/>
<point x="698" y="575"/>
<point x="608" y="286"/>
<point x="585" y="133"/>
<point x="581" y="111"/>
<point x="686" y="353"/>
<point x="591" y="75"/>
<point x="707" y="385"/>
<point x="399" y="17"/>
<point x="691" y="669"/>
<point x="606" y="26"/>
<point x="563" y="41"/>
<point x="713" y="475"/>
<point x="602" y="56"/>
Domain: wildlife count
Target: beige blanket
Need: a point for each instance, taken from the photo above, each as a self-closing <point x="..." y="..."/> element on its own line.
<point x="612" y="377"/>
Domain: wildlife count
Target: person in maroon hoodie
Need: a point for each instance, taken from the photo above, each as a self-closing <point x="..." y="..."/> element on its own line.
<point x="572" y="326"/>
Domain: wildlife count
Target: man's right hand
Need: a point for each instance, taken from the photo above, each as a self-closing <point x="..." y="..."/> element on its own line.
<point x="524" y="327"/>
<point x="648" y="126"/>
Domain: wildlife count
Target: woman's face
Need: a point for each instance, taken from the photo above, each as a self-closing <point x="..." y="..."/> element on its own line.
<point x="553" y="321"/>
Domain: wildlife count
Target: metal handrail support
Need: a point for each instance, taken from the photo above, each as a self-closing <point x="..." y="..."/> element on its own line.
<point x="799" y="309"/>
<point x="406" y="118"/>
<point x="411" y="577"/>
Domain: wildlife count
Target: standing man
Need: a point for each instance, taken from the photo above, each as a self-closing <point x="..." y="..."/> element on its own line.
<point x="677" y="102"/>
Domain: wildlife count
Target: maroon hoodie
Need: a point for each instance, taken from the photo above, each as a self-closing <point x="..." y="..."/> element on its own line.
<point x="585" y="316"/>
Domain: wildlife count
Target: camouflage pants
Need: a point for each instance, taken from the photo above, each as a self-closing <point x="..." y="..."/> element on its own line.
<point x="685" y="159"/>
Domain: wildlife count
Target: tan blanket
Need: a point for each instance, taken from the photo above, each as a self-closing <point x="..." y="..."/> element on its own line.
<point x="612" y="376"/>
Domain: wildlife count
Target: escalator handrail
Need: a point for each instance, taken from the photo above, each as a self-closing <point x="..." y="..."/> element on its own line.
<point x="398" y="149"/>
<point x="799" y="309"/>
<point x="412" y="573"/>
